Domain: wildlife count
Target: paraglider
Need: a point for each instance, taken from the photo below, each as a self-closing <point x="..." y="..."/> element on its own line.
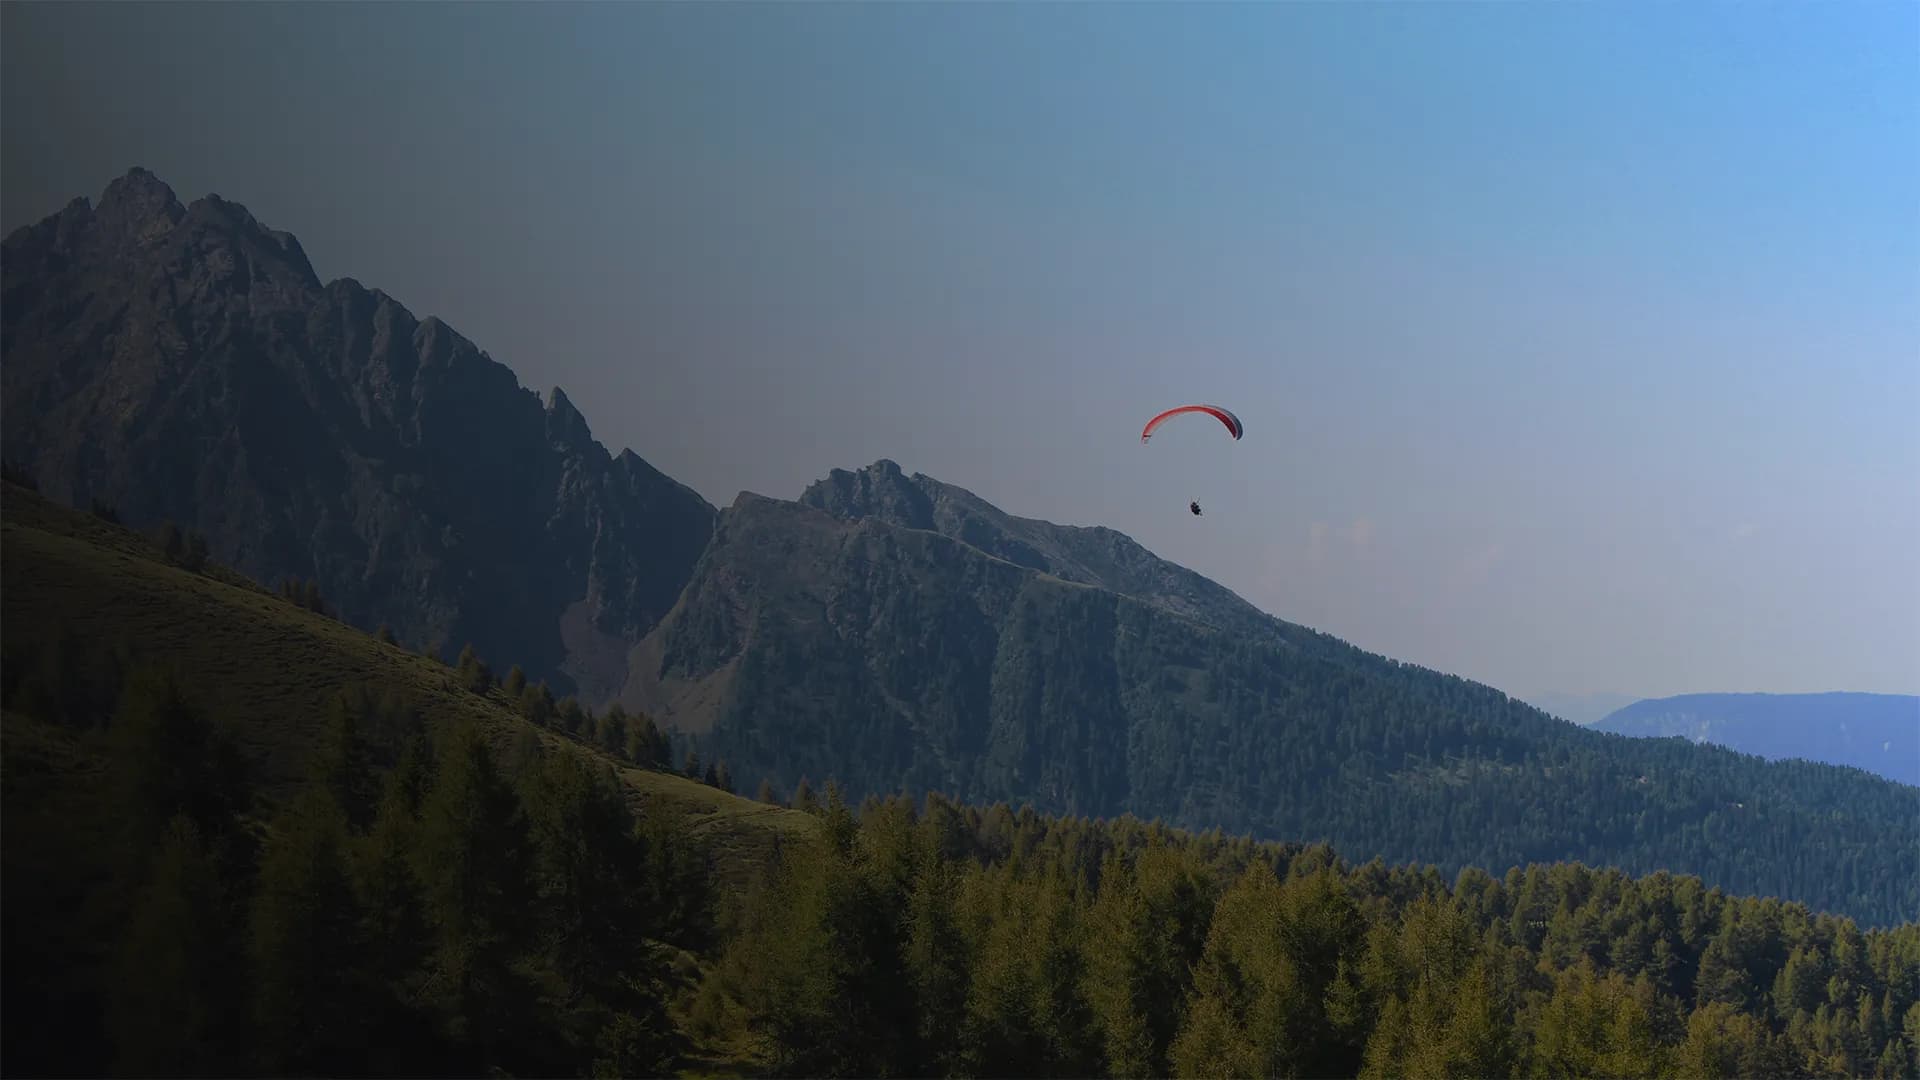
<point x="1230" y="421"/>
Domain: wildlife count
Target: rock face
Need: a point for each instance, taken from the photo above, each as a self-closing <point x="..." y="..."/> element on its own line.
<point x="184" y="362"/>
<point x="1094" y="556"/>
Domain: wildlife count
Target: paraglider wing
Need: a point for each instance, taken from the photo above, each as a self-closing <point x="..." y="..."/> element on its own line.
<point x="1231" y="421"/>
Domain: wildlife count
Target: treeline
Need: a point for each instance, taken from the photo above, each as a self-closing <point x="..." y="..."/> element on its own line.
<point x="1084" y="704"/>
<point x="432" y="904"/>
<point x="631" y="737"/>
<point x="942" y="940"/>
<point x="427" y="905"/>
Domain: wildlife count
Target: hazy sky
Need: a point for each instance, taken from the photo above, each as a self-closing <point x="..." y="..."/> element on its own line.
<point x="1578" y="346"/>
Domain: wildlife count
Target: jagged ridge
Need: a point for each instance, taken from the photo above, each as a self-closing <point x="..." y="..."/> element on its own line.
<point x="185" y="363"/>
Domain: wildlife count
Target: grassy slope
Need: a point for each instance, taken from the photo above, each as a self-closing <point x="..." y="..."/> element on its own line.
<point x="269" y="665"/>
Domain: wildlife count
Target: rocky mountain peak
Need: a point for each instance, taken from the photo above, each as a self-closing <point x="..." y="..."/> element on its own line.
<point x="275" y="253"/>
<point x="880" y="490"/>
<point x="565" y="425"/>
<point x="141" y="201"/>
<point x="184" y="363"/>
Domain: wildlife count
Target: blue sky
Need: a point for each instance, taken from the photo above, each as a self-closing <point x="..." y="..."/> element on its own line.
<point x="1578" y="345"/>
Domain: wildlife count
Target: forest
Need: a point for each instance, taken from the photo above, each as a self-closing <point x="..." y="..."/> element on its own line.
<point x="244" y="838"/>
<point x="433" y="901"/>
<point x="887" y="657"/>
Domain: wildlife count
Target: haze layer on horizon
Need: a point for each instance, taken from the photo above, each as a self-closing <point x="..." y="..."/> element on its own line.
<point x="1576" y="344"/>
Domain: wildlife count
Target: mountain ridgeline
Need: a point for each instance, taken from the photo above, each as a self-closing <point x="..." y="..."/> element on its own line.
<point x="893" y="631"/>
<point x="889" y="631"/>
<point x="184" y="363"/>
<point x="243" y="839"/>
<point x="1876" y="732"/>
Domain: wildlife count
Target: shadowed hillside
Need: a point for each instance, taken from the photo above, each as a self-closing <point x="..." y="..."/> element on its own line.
<point x="233" y="825"/>
<point x="875" y="644"/>
<point x="86" y="600"/>
<point x="184" y="363"/>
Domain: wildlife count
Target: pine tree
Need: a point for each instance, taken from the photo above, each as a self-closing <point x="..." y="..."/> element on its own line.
<point x="936" y="965"/>
<point x="585" y="866"/>
<point x="536" y="704"/>
<point x="1478" y="1039"/>
<point x="169" y="759"/>
<point x="659" y="751"/>
<point x="175" y="1007"/>
<point x="394" y="924"/>
<point x="1063" y="1020"/>
<point x="1145" y="935"/>
<point x="1004" y="1022"/>
<point x="1721" y="1043"/>
<point x="473" y="672"/>
<point x="841" y="828"/>
<point x="471" y="857"/>
<point x="1235" y="1023"/>
<point x="612" y="729"/>
<point x="516" y="683"/>
<point x="308" y="948"/>
<point x="342" y="764"/>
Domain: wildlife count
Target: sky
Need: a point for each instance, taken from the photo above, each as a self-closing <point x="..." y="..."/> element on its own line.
<point x="1577" y="345"/>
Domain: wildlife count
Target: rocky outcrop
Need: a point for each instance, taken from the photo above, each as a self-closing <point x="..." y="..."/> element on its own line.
<point x="1086" y="555"/>
<point x="184" y="363"/>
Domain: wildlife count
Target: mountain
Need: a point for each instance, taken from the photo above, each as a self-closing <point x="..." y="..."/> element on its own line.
<point x="893" y="631"/>
<point x="1096" y="556"/>
<point x="1583" y="709"/>
<point x="642" y="924"/>
<point x="184" y="363"/>
<point x="1879" y="733"/>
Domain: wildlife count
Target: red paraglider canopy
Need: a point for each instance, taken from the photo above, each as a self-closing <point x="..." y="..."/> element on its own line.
<point x="1231" y="421"/>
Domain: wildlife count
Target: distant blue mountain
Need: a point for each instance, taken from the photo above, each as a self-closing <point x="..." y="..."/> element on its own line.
<point x="1876" y="732"/>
